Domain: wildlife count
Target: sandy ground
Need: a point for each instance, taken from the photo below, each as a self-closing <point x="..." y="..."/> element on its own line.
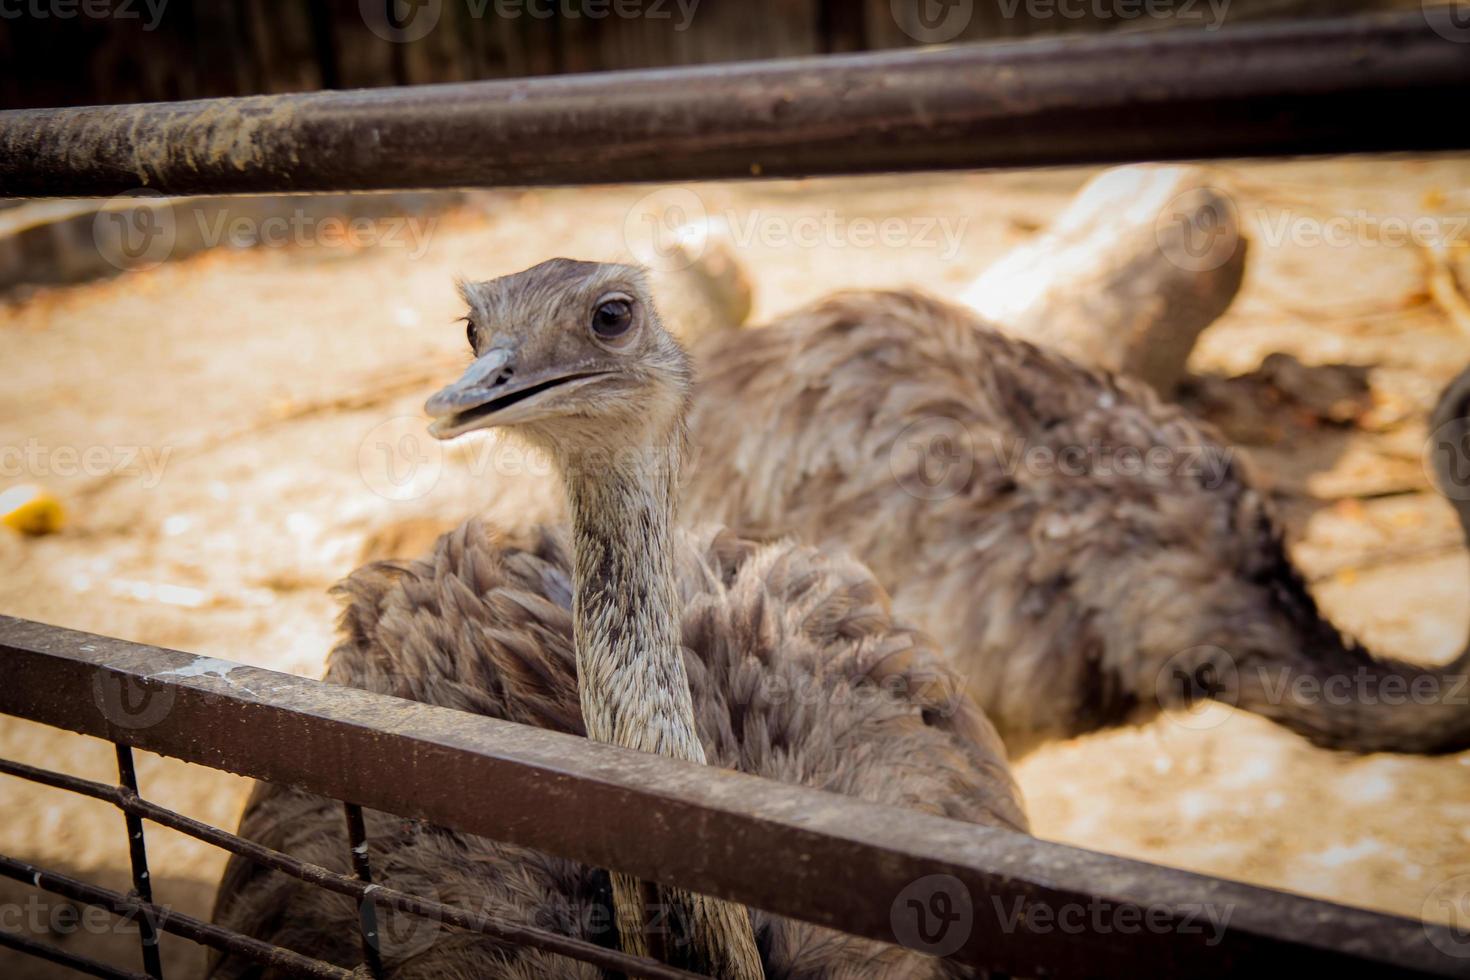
<point x="276" y="393"/>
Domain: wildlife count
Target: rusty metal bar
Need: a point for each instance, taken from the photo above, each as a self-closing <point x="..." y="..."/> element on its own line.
<point x="823" y="858"/>
<point x="138" y="858"/>
<point x="515" y="933"/>
<point x="66" y="958"/>
<point x="367" y="908"/>
<point x="272" y="957"/>
<point x="1349" y="85"/>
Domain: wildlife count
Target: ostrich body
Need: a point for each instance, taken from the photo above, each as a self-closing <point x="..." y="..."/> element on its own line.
<point x="774" y="659"/>
<point x="983" y="480"/>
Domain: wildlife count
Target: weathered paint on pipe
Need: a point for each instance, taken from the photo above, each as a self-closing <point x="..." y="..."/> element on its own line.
<point x="1359" y="84"/>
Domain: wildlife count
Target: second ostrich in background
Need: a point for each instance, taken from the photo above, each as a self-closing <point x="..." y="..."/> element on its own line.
<point x="773" y="659"/>
<point x="1087" y="552"/>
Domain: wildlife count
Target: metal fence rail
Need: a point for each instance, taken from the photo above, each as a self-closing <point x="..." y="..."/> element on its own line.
<point x="359" y="889"/>
<point x="152" y="917"/>
<point x="1314" y="87"/>
<point x="825" y="859"/>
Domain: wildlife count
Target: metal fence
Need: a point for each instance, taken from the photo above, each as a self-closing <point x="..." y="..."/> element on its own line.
<point x="836" y="862"/>
<point x="821" y="858"/>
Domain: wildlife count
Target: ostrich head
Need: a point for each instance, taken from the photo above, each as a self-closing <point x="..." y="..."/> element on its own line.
<point x="570" y="355"/>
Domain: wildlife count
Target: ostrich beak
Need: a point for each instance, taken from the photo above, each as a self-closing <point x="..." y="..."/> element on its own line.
<point x="486" y="396"/>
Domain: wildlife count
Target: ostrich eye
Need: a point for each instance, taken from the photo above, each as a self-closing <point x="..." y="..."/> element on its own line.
<point x="612" y="319"/>
<point x="469" y="332"/>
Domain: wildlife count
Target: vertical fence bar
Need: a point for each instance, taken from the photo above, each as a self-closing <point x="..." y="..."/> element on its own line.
<point x="357" y="838"/>
<point x="138" y="853"/>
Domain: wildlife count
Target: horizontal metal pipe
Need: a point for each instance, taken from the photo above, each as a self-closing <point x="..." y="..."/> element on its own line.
<point x="511" y="932"/>
<point x="204" y="933"/>
<point x="1360" y="84"/>
<point x="63" y="957"/>
<point x="794" y="851"/>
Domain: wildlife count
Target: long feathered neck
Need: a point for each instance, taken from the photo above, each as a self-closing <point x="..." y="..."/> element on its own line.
<point x="630" y="668"/>
<point x="632" y="682"/>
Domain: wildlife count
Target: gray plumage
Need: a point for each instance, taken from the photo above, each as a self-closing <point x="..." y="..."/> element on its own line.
<point x="1008" y="499"/>
<point x="795" y="671"/>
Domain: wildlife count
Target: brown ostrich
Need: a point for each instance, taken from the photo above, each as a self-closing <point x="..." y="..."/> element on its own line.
<point x="774" y="659"/>
<point x="1085" y="551"/>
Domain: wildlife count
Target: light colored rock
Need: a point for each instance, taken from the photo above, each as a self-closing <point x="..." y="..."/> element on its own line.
<point x="1127" y="276"/>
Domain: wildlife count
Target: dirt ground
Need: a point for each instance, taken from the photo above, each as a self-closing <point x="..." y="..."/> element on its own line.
<point x="276" y="393"/>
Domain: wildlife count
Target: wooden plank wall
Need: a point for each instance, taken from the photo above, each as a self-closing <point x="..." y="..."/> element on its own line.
<point x="202" y="48"/>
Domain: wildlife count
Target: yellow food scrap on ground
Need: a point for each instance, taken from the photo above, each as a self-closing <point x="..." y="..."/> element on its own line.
<point x="31" y="510"/>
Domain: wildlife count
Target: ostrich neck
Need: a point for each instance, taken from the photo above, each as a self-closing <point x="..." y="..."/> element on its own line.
<point x="633" y="686"/>
<point x="626" y="616"/>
